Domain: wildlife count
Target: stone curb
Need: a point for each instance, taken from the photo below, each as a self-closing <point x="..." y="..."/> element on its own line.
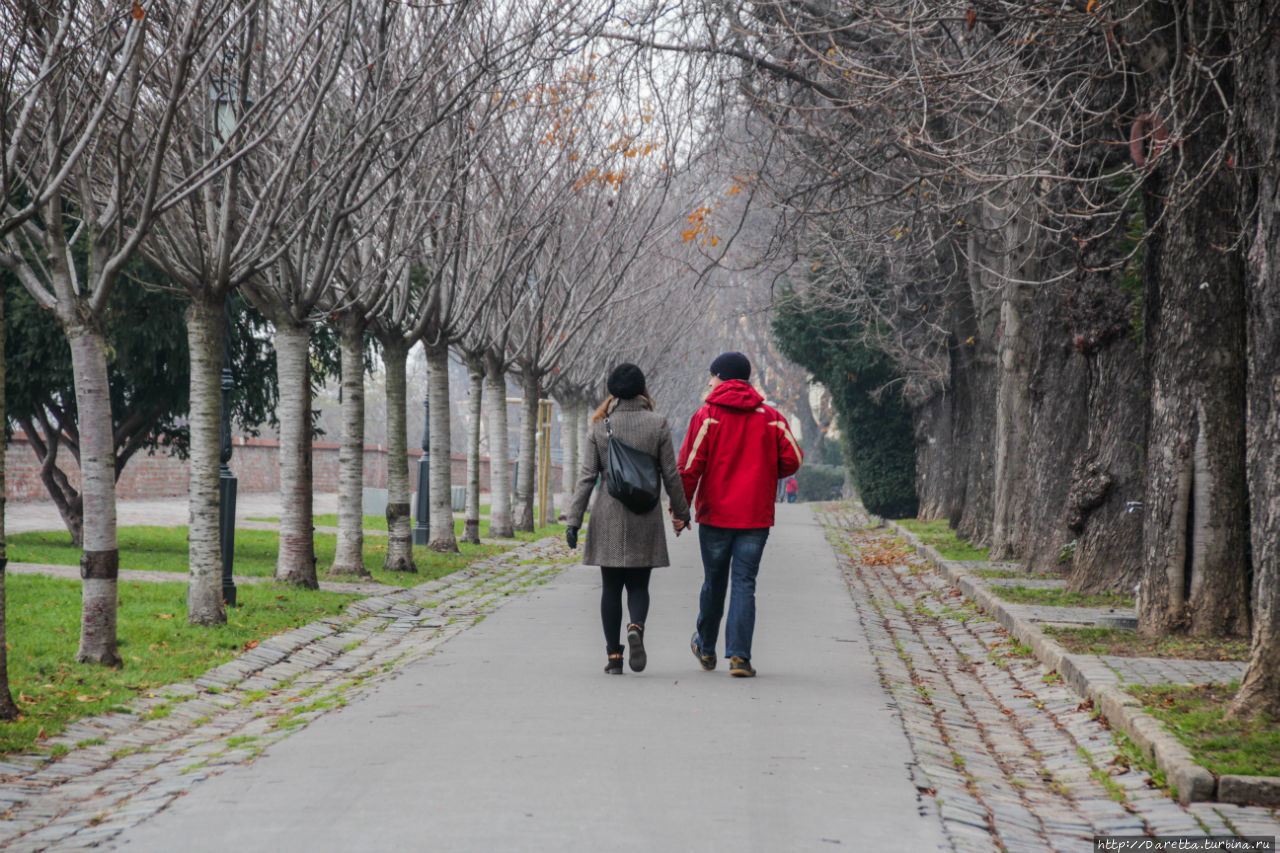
<point x="1121" y="710"/>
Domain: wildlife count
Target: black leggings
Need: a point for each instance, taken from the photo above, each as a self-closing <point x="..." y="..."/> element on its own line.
<point x="637" y="583"/>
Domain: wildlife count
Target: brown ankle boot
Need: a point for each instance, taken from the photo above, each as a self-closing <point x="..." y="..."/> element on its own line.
<point x="635" y="639"/>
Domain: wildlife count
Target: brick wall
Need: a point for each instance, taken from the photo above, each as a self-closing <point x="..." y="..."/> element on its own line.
<point x="254" y="461"/>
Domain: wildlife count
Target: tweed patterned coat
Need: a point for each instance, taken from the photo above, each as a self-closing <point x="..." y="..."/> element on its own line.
<point x="617" y="536"/>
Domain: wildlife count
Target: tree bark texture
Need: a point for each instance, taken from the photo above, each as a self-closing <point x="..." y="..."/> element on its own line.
<point x="296" y="561"/>
<point x="1102" y="415"/>
<point x="500" y="526"/>
<point x="1196" y="520"/>
<point x="973" y="382"/>
<point x="442" y="536"/>
<point x="569" y="409"/>
<point x="475" y="412"/>
<point x="100" y="559"/>
<point x="8" y="709"/>
<point x="348" y="557"/>
<point x="584" y="428"/>
<point x="528" y="453"/>
<point x="935" y="460"/>
<point x="395" y="357"/>
<point x="1012" y="421"/>
<point x="206" y="343"/>
<point x="1260" y="94"/>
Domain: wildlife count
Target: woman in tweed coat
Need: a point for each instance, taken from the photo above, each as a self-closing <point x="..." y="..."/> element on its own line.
<point x="626" y="545"/>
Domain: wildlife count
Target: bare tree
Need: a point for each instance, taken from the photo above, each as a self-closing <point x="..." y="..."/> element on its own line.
<point x="264" y="85"/>
<point x="99" y="182"/>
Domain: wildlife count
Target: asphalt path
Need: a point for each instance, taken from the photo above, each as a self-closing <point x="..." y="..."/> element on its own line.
<point x="511" y="737"/>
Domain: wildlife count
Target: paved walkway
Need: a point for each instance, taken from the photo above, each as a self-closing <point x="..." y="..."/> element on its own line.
<point x="511" y="738"/>
<point x="470" y="713"/>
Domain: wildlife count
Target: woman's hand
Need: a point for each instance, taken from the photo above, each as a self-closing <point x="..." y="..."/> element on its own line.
<point x="678" y="525"/>
<point x="571" y="537"/>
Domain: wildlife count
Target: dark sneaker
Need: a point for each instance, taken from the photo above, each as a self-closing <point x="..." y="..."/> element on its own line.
<point x="708" y="661"/>
<point x="741" y="667"/>
<point x="635" y="640"/>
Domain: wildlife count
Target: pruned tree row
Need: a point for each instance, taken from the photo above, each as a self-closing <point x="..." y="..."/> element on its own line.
<point x="1054" y="226"/>
<point x="285" y="187"/>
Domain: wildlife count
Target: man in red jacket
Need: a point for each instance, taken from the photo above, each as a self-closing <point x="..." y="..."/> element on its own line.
<point x="734" y="453"/>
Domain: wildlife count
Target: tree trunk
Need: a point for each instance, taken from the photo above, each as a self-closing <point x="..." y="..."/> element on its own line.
<point x="475" y="411"/>
<point x="500" y="526"/>
<point x="815" y="452"/>
<point x="1196" y="519"/>
<point x="296" y="560"/>
<point x="100" y="559"/>
<point x="442" y="536"/>
<point x="528" y="453"/>
<point x="1012" y="421"/>
<point x="935" y="462"/>
<point x="584" y="431"/>
<point x="348" y="557"/>
<point x="569" y="409"/>
<point x="1093" y="405"/>
<point x="972" y="349"/>
<point x="395" y="355"/>
<point x="1260" y="95"/>
<point x="206" y="344"/>
<point x="46" y="442"/>
<point x="8" y="710"/>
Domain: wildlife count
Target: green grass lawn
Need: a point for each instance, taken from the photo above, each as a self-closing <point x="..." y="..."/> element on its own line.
<point x="1062" y="598"/>
<point x="1195" y="716"/>
<point x="939" y="535"/>
<point x="156" y="643"/>
<point x="164" y="549"/>
<point x="379" y="522"/>
<point x="1117" y="641"/>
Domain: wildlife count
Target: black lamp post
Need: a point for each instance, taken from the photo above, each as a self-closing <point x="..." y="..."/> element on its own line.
<point x="422" y="527"/>
<point x="226" y="480"/>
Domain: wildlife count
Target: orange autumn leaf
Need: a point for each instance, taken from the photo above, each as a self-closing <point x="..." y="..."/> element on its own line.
<point x="137" y="11"/>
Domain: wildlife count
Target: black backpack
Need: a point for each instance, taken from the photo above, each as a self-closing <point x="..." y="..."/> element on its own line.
<point x="631" y="475"/>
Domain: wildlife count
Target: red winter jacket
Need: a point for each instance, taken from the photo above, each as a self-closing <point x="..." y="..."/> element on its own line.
<point x="733" y="455"/>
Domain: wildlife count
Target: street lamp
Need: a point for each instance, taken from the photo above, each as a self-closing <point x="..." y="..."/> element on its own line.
<point x="422" y="527"/>
<point x="227" y="484"/>
<point x="221" y="93"/>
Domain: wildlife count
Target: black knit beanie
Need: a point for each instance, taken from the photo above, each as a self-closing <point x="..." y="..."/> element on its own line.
<point x="731" y="365"/>
<point x="626" y="381"/>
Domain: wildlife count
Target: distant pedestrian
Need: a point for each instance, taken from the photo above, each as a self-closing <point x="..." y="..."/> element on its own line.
<point x="792" y="489"/>
<point x="734" y="454"/>
<point x="624" y="544"/>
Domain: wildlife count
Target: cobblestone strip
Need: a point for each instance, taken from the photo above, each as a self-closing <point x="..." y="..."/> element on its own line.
<point x="1012" y="757"/>
<point x="119" y="769"/>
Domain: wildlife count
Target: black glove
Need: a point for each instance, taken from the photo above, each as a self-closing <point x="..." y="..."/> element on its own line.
<point x="571" y="537"/>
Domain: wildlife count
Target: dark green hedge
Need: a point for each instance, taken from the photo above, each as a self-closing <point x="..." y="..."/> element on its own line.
<point x="820" y="482"/>
<point x="877" y="438"/>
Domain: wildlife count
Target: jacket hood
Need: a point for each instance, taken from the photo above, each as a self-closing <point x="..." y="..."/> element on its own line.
<point x="736" y="394"/>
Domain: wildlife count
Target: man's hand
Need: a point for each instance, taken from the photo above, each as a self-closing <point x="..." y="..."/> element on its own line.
<point x="678" y="525"/>
<point x="571" y="537"/>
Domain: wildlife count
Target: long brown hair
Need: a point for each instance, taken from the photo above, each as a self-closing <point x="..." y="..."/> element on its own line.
<point x="611" y="402"/>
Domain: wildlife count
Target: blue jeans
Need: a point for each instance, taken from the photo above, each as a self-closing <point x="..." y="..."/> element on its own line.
<point x="729" y="553"/>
